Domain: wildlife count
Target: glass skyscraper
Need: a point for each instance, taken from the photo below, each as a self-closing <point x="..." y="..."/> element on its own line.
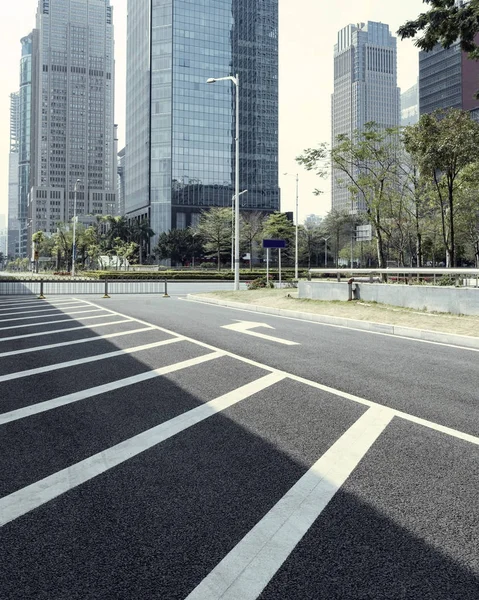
<point x="180" y="132"/>
<point x="365" y="90"/>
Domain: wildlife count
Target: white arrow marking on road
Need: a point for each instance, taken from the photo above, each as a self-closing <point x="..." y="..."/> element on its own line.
<point x="246" y="326"/>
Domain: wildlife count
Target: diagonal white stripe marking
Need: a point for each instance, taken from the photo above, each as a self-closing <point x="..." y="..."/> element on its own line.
<point x="88" y="359"/>
<point x="17" y="504"/>
<point x="75" y="312"/>
<point x="36" y="302"/>
<point x="252" y="563"/>
<point x="73" y="342"/>
<point x="46" y="333"/>
<point x="35" y="409"/>
<point x="38" y="310"/>
<point x="62" y="321"/>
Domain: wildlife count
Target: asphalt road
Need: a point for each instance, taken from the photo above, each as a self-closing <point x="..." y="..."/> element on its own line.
<point x="149" y="450"/>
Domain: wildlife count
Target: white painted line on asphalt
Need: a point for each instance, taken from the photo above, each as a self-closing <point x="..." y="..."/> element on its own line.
<point x="40" y="309"/>
<point x="87" y="359"/>
<point x="347" y="327"/>
<point x="246" y="326"/>
<point x="430" y="424"/>
<point x="37" y="302"/>
<point x="96" y="338"/>
<point x="45" y="333"/>
<point x="253" y="562"/>
<point x="28" y="498"/>
<point x="75" y="312"/>
<point x="35" y="409"/>
<point x="63" y="321"/>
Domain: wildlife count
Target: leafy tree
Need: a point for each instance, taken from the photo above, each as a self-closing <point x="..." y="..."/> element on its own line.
<point x="251" y="230"/>
<point x="315" y="159"/>
<point x="443" y="144"/>
<point x="278" y="226"/>
<point x="215" y="229"/>
<point x="141" y="232"/>
<point x="177" y="245"/>
<point x="310" y="240"/>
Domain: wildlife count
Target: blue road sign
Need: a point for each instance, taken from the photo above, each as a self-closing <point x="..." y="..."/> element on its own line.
<point x="274" y="243"/>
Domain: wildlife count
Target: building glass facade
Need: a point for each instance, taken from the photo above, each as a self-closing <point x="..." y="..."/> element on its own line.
<point x="190" y="125"/>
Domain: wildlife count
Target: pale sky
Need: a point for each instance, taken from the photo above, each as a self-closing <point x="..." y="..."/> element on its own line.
<point x="307" y="34"/>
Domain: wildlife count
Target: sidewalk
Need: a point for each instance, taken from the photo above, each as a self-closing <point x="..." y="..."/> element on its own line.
<point x="380" y="318"/>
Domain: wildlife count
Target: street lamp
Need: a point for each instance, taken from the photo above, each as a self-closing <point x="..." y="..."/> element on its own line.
<point x="325" y="251"/>
<point x="233" y="227"/>
<point x="296" y="218"/>
<point x="235" y="80"/>
<point x="74" y="250"/>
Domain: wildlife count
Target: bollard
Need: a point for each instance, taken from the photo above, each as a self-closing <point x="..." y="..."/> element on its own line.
<point x="105" y="295"/>
<point x="165" y="295"/>
<point x="41" y="296"/>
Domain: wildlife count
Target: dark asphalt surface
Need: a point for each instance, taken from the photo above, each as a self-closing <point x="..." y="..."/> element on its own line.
<point x="403" y="526"/>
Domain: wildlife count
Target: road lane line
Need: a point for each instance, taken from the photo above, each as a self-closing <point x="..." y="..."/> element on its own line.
<point x="61" y="321"/>
<point x="73" y="342"/>
<point x="31" y="335"/>
<point x="35" y="409"/>
<point x="16" y="305"/>
<point x="28" y="498"/>
<point x="424" y="422"/>
<point x="39" y="310"/>
<point x="77" y="312"/>
<point x="88" y="359"/>
<point x="252" y="563"/>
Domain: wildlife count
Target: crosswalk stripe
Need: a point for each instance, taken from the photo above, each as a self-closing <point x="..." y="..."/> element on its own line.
<point x="36" y="302"/>
<point x="96" y="338"/>
<point x="253" y="562"/>
<point x="39" y="310"/>
<point x="61" y="321"/>
<point x="75" y="312"/>
<point x="35" y="409"/>
<point x="28" y="498"/>
<point x="44" y="333"/>
<point x="88" y="359"/>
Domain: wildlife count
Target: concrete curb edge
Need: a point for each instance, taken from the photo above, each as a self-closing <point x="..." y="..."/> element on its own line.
<point x="409" y="332"/>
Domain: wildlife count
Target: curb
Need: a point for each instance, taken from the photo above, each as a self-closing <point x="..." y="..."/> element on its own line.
<point x="408" y="332"/>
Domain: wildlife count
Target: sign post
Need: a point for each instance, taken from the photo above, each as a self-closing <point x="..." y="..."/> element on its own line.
<point x="273" y="244"/>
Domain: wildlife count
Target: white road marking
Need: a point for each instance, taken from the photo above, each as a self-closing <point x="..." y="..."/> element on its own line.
<point x="246" y="326"/>
<point x="96" y="338"/>
<point x="252" y="563"/>
<point x="45" y="333"/>
<point x="35" y="409"/>
<point x="39" y="310"/>
<point x="311" y="322"/>
<point x="75" y="312"/>
<point x="28" y="498"/>
<point x="36" y="302"/>
<point x="424" y="422"/>
<point x="87" y="359"/>
<point x="62" y="321"/>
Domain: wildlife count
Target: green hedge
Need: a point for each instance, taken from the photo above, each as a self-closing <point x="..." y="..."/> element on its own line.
<point x="188" y="275"/>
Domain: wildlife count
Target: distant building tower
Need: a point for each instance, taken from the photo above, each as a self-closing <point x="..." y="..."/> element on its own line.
<point x="180" y="132"/>
<point x="13" y="248"/>
<point x="448" y="78"/>
<point x="70" y="121"/>
<point x="365" y="90"/>
<point x="121" y="182"/>
<point x="410" y="106"/>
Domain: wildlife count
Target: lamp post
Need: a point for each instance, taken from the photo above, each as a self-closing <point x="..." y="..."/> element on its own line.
<point x="296" y="233"/>
<point x="233" y="226"/>
<point x="74" y="250"/>
<point x="235" y="80"/>
<point x="325" y="251"/>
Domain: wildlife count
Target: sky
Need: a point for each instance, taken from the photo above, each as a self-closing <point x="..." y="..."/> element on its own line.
<point x="307" y="34"/>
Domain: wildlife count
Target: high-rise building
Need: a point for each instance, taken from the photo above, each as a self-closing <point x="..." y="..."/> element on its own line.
<point x="13" y="248"/>
<point x="365" y="90"/>
<point x="410" y="106"/>
<point x="448" y="78"/>
<point x="121" y="182"/>
<point x="66" y="114"/>
<point x="180" y="132"/>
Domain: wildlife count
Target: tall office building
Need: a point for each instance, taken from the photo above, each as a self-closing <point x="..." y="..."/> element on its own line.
<point x="365" y="90"/>
<point x="410" y="106"/>
<point x="66" y="114"/>
<point x="448" y="78"/>
<point x="180" y="132"/>
<point x="13" y="222"/>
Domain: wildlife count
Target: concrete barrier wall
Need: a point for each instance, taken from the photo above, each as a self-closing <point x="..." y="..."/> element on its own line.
<point x="458" y="301"/>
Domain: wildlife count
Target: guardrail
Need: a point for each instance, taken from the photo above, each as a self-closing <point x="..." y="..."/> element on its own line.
<point x="407" y="273"/>
<point x="43" y="287"/>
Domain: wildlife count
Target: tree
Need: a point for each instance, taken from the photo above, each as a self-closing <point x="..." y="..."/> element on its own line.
<point x="177" y="245"/>
<point x="251" y="230"/>
<point x="445" y="23"/>
<point x="310" y="239"/>
<point x="443" y="144"/>
<point x="278" y="226"/>
<point x="215" y="229"/>
<point x="141" y="232"/>
<point x="314" y="159"/>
